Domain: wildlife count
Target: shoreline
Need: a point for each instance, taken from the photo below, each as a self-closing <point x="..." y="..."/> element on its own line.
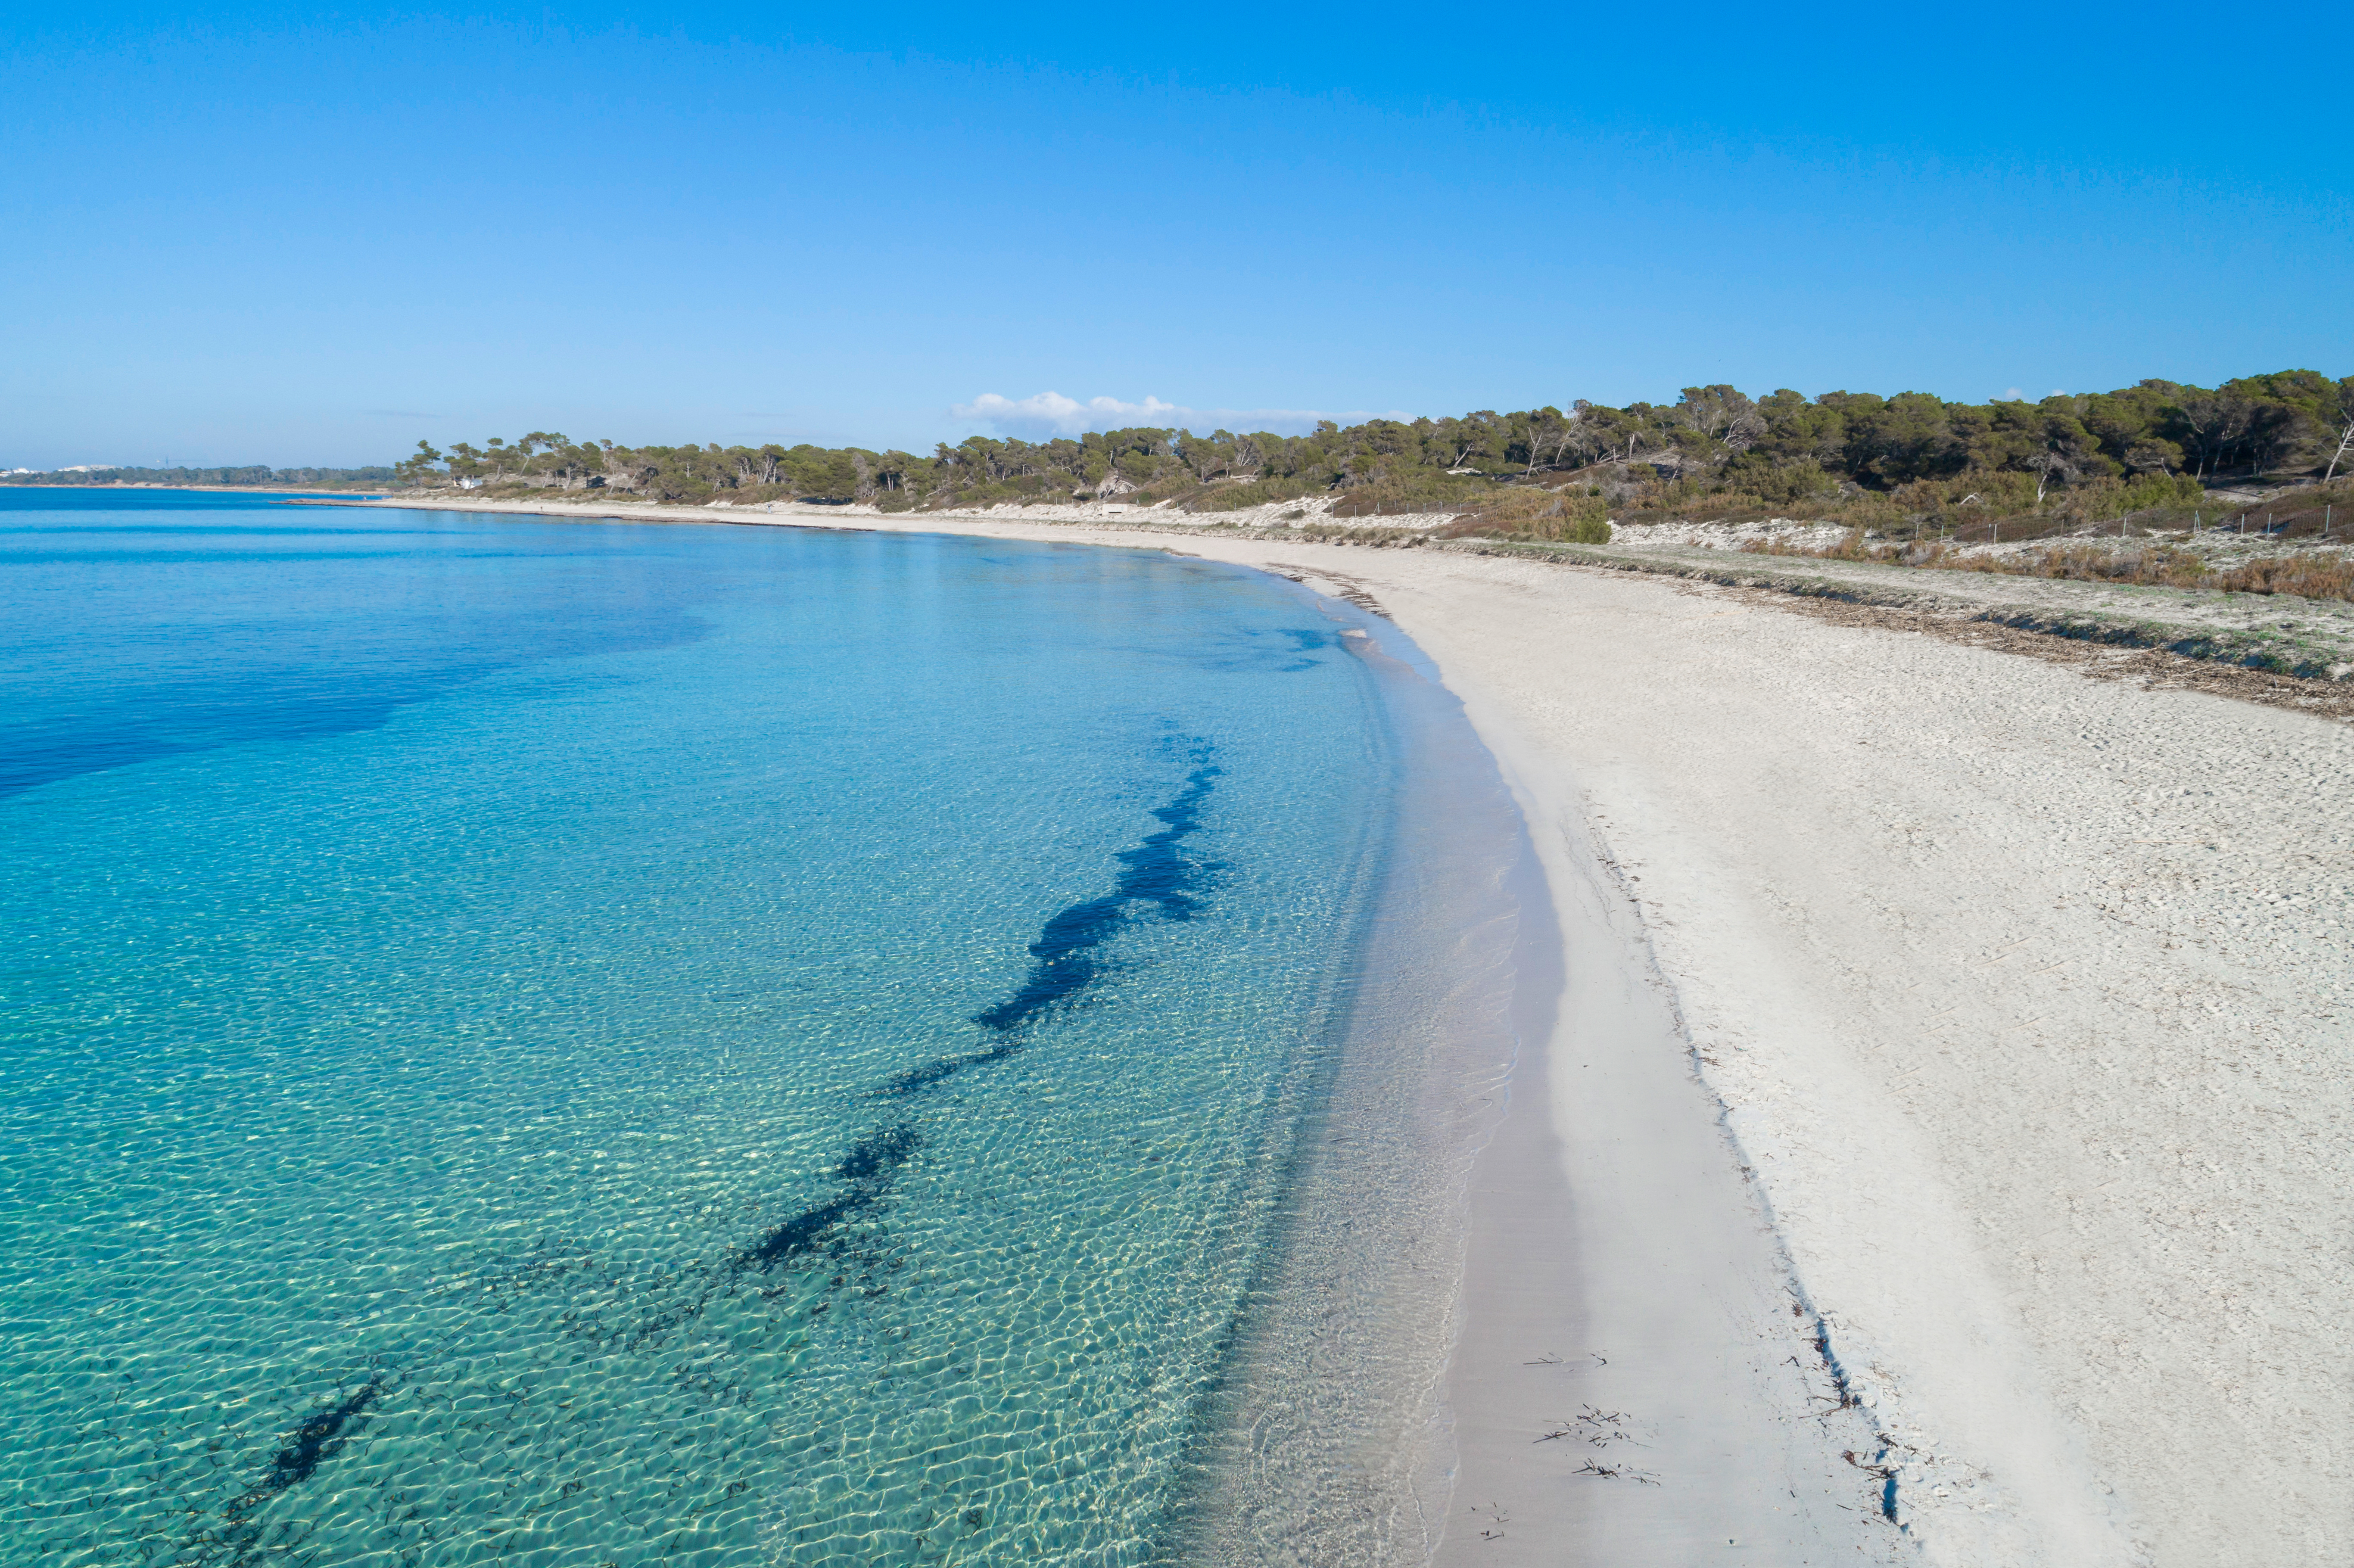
<point x="1329" y="1443"/>
<point x="2013" y="1001"/>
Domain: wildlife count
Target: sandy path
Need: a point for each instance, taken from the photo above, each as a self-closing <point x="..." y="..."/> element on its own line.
<point x="2023" y="997"/>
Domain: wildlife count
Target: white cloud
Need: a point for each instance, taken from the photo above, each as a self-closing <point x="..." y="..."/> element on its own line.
<point x="2012" y="394"/>
<point x="1051" y="414"/>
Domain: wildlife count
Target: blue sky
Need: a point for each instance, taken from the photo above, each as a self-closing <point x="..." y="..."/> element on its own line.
<point x="269" y="234"/>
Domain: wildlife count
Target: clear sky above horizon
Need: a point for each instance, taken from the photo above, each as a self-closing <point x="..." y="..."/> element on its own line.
<point x="265" y="233"/>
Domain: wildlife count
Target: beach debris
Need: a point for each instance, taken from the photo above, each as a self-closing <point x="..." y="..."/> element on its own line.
<point x="1619" y="1473"/>
<point x="1596" y="1427"/>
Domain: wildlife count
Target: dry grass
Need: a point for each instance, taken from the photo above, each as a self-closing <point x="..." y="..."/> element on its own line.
<point x="2153" y="669"/>
<point x="2002" y="508"/>
<point x="2309" y="575"/>
<point x="1530" y="512"/>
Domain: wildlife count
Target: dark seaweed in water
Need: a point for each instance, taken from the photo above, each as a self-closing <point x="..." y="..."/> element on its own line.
<point x="1157" y="874"/>
<point x="877" y="1153"/>
<point x="322" y="1435"/>
<point x="916" y="1080"/>
<point x="870" y="1168"/>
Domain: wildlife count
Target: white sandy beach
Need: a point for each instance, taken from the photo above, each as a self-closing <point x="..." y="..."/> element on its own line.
<point x="1976" y="1025"/>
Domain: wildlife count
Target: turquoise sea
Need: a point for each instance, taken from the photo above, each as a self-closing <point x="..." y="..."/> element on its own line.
<point x="576" y="1044"/>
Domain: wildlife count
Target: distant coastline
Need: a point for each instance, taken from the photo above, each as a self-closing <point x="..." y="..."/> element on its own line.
<point x="358" y="492"/>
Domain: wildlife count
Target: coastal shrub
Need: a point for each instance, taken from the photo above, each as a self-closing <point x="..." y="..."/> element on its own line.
<point x="1239" y="496"/>
<point x="1582" y="519"/>
<point x="2150" y="491"/>
<point x="1390" y="493"/>
<point x="1778" y="485"/>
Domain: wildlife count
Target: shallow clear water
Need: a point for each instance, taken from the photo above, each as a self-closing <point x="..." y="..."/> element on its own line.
<point x="594" y="1043"/>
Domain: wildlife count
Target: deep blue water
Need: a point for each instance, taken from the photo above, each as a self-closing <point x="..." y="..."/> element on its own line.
<point x="575" y="1043"/>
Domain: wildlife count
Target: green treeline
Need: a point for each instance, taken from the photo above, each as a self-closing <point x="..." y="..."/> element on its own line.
<point x="1715" y="448"/>
<point x="1713" y="452"/>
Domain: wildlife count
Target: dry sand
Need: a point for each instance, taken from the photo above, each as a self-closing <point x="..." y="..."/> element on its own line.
<point x="1947" y="1107"/>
